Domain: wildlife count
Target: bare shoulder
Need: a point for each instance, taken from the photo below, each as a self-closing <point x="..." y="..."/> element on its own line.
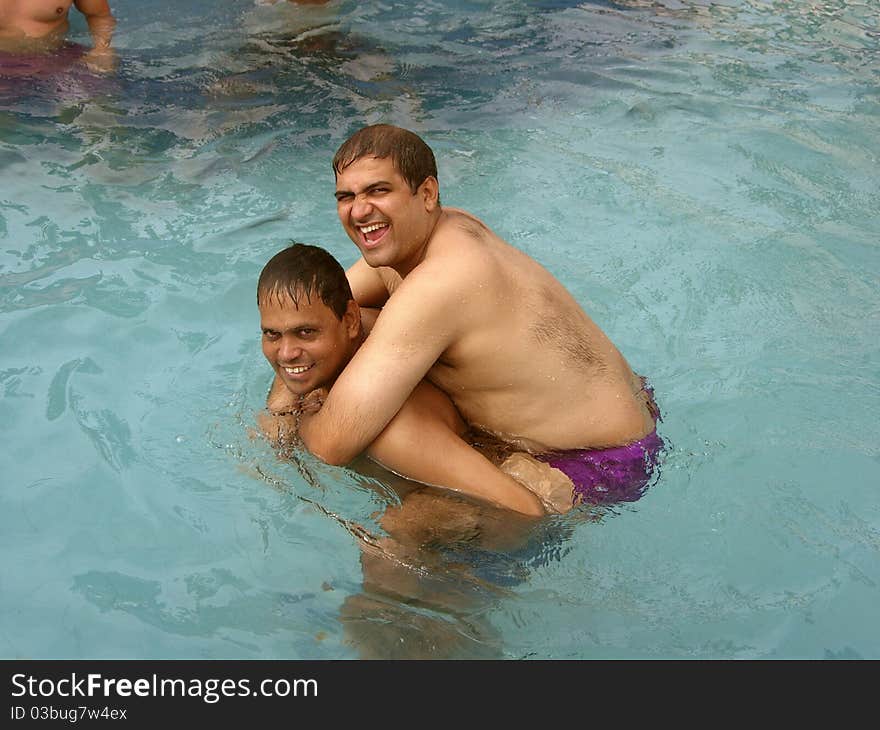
<point x="436" y="281"/>
<point x="461" y="223"/>
<point x="450" y="274"/>
<point x="462" y="247"/>
<point x="390" y="278"/>
<point x="437" y="296"/>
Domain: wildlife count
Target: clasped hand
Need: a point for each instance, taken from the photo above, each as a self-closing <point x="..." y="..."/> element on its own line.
<point x="310" y="403"/>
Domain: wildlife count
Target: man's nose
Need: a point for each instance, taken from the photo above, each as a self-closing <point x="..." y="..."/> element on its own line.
<point x="289" y="350"/>
<point x="361" y="208"/>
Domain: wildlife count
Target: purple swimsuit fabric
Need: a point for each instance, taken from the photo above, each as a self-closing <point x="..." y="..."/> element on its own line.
<point x="616" y="474"/>
<point x="58" y="76"/>
<point x="30" y="65"/>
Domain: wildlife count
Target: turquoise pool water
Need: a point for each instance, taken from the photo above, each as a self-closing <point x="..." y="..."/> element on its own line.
<point x="702" y="175"/>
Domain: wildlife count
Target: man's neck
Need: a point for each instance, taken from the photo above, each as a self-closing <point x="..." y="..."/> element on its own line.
<point x="406" y="268"/>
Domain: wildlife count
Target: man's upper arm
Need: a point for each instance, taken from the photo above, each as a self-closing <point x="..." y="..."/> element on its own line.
<point x="99" y="8"/>
<point x="413" y="331"/>
<point x="367" y="285"/>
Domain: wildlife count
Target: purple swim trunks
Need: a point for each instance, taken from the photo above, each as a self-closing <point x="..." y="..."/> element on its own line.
<point x="615" y="474"/>
<point x="30" y="65"/>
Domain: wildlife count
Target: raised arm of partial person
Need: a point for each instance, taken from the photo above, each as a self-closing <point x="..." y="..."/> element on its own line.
<point x="101" y="23"/>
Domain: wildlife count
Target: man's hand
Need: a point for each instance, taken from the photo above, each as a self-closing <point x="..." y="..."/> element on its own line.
<point x="279" y="429"/>
<point x="310" y="403"/>
<point x="100" y="60"/>
<point x="280" y="422"/>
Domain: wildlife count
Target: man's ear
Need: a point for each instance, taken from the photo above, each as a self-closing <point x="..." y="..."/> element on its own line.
<point x="429" y="190"/>
<point x="352" y="319"/>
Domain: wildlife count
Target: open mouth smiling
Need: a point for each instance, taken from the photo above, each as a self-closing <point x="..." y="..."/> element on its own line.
<point x="373" y="232"/>
<point x="298" y="369"/>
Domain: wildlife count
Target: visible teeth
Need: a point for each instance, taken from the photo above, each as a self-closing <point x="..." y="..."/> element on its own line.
<point x="372" y="227"/>
<point x="297" y="370"/>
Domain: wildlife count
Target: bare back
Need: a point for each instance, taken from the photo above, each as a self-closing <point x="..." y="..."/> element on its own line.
<point x="524" y="362"/>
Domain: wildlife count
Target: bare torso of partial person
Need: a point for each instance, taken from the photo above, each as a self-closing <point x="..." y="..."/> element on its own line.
<point x="526" y="364"/>
<point x="28" y="22"/>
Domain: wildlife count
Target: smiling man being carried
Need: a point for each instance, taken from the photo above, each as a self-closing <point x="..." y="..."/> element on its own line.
<point x="484" y="323"/>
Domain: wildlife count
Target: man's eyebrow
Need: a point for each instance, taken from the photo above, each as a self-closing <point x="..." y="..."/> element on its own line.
<point x="379" y="183"/>
<point x="300" y="326"/>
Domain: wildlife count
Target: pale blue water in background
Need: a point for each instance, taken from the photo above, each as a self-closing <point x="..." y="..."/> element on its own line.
<point x="703" y="176"/>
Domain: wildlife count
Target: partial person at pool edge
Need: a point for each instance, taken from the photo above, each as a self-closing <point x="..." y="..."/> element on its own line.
<point x="41" y="25"/>
<point x="483" y="322"/>
<point x="311" y="327"/>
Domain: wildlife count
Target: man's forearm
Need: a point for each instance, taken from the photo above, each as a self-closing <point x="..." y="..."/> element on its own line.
<point x="330" y="445"/>
<point x="280" y="399"/>
<point x="101" y="29"/>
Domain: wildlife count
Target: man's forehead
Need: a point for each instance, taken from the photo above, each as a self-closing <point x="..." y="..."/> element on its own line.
<point x="305" y="302"/>
<point x="369" y="167"/>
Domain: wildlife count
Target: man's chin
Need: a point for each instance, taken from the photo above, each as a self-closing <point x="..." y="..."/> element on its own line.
<point x="374" y="255"/>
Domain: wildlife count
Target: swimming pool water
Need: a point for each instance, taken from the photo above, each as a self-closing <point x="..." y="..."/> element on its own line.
<point x="701" y="175"/>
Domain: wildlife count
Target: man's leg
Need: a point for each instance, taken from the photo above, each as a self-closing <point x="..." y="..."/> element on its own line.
<point x="423" y="442"/>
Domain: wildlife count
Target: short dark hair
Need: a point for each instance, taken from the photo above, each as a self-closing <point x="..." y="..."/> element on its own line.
<point x="409" y="153"/>
<point x="303" y="270"/>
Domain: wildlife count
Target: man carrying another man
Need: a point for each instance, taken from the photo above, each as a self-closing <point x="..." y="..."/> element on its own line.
<point x="484" y="323"/>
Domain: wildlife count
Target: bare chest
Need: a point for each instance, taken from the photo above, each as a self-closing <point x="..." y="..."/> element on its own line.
<point x="35" y="18"/>
<point x="42" y="11"/>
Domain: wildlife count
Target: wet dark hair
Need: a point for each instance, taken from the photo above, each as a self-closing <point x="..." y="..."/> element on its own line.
<point x="409" y="154"/>
<point x="303" y="270"/>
